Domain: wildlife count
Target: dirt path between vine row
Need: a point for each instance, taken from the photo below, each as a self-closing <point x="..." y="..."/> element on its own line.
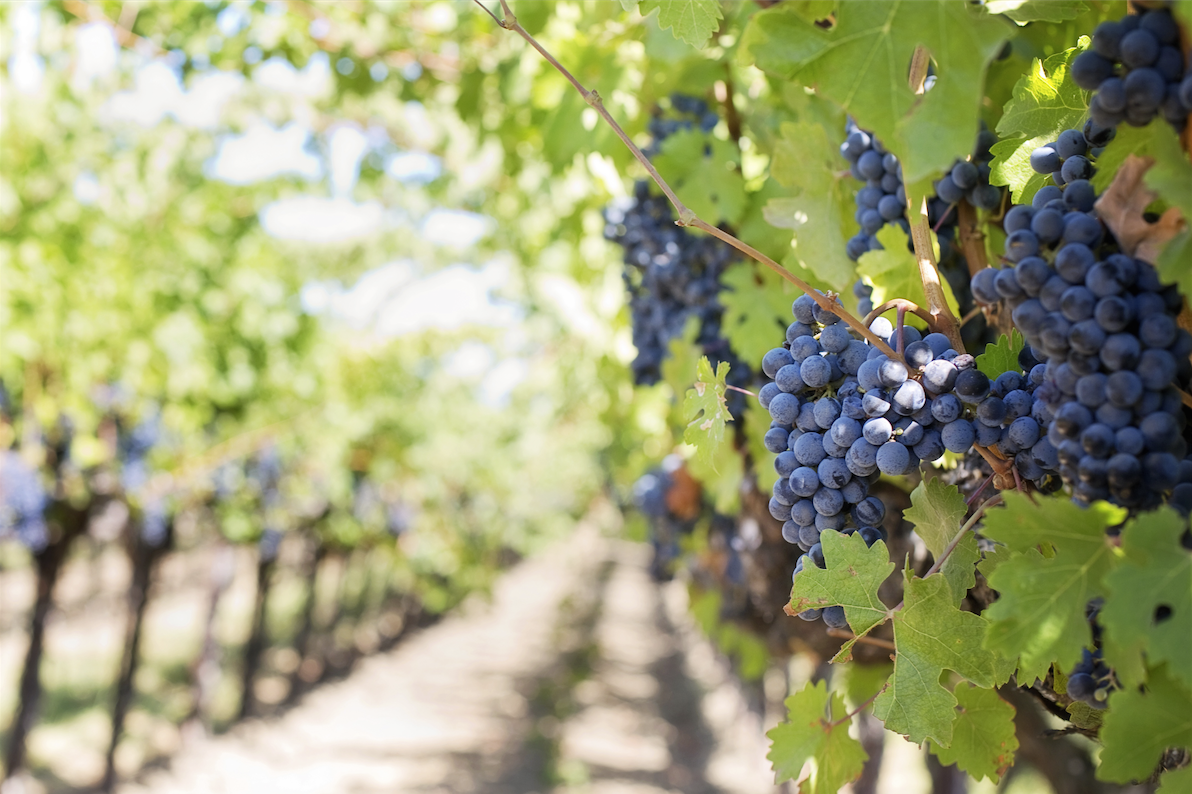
<point x="581" y="675"/>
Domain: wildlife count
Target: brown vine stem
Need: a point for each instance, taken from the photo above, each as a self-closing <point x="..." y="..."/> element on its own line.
<point x="845" y="634"/>
<point x="972" y="240"/>
<point x="858" y="709"/>
<point x="901" y="304"/>
<point x="686" y="216"/>
<point x="992" y="501"/>
<point x="929" y="274"/>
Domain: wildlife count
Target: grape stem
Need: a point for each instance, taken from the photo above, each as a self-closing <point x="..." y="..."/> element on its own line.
<point x="992" y="501"/>
<point x="737" y="388"/>
<point x="845" y="634"/>
<point x="858" y="709"/>
<point x="937" y="305"/>
<point x="686" y="216"/>
<point x="902" y="304"/>
<point x="972" y="239"/>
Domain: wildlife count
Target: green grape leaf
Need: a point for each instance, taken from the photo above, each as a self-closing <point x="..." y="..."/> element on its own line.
<point x="815" y="10"/>
<point x="1175" y="781"/>
<point x="1153" y="581"/>
<point x="893" y="272"/>
<point x="1148" y="141"/>
<point x="937" y="511"/>
<point x="1045" y="103"/>
<point x="1082" y="715"/>
<point x="1039" y="616"/>
<point x="757" y="309"/>
<point x="820" y="213"/>
<point x="1003" y="356"/>
<point x="851" y="580"/>
<point x="702" y="171"/>
<point x="861" y="682"/>
<point x="1171" y="178"/>
<point x="1173" y="262"/>
<point x="811" y="737"/>
<point x="861" y="64"/>
<point x="1140" y="725"/>
<point x="1024" y="11"/>
<point x="932" y="635"/>
<point x="692" y="21"/>
<point x="983" y="738"/>
<point x="706" y="410"/>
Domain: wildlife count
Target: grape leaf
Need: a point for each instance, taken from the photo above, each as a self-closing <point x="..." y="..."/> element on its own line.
<point x="815" y="10"/>
<point x="702" y="171"/>
<point x="1175" y="781"/>
<point x="820" y="212"/>
<point x="1173" y="262"/>
<point x="1141" y="141"/>
<point x="894" y="272"/>
<point x="1003" y="356"/>
<point x="861" y="682"/>
<point x="1140" y="725"/>
<point x="1039" y="615"/>
<point x="757" y="422"/>
<point x="692" y="21"/>
<point x="983" y="738"/>
<point x="937" y="511"/>
<point x="809" y="736"/>
<point x="932" y="635"/>
<point x="862" y="62"/>
<point x="851" y="580"/>
<point x="1171" y="179"/>
<point x="1156" y="571"/>
<point x="757" y="309"/>
<point x="1024" y="11"/>
<point x="1045" y="103"/>
<point x="706" y="410"/>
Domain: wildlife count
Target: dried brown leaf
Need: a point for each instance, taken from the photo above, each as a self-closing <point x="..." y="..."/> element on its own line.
<point x="1122" y="207"/>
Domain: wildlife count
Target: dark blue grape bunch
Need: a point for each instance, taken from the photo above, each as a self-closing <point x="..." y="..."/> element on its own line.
<point x="843" y="414"/>
<point x="1106" y="328"/>
<point x="664" y="526"/>
<point x="670" y="274"/>
<point x="23" y="503"/>
<point x="155" y="523"/>
<point x="1138" y="71"/>
<point x="686" y="113"/>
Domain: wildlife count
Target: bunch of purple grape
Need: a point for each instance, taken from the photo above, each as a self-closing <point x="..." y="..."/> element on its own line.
<point x="1138" y="71"/>
<point x="1106" y="327"/>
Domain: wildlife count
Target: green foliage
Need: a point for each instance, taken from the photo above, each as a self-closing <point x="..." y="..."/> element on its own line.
<point x="851" y="580"/>
<point x="1175" y="781"/>
<point x="1046" y="102"/>
<point x="757" y="309"/>
<point x="893" y="271"/>
<point x="983" y="738"/>
<point x="1024" y="11"/>
<point x="808" y="162"/>
<point x="692" y="21"/>
<point x="706" y="411"/>
<point x="1155" y="574"/>
<point x="932" y="636"/>
<point x="815" y="734"/>
<point x="861" y="64"/>
<point x="705" y="174"/>
<point x="1039" y="616"/>
<point x="1141" y="724"/>
<point x="937" y="511"/>
<point x="1003" y="356"/>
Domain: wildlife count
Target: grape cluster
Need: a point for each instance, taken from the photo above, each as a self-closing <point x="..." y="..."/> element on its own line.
<point x="671" y="275"/>
<point x="687" y="113"/>
<point x="155" y="523"/>
<point x="664" y="526"/>
<point x="883" y="198"/>
<point x="1137" y="69"/>
<point x="844" y="413"/>
<point x="23" y="503"/>
<point x="1105" y="326"/>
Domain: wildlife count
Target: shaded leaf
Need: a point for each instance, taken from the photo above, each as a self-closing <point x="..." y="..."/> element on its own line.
<point x="983" y="738"/>
<point x="937" y="511"/>
<point x="1149" y="606"/>
<point x="862" y="63"/>
<point x="894" y="272"/>
<point x="1122" y="207"/>
<point x="932" y="635"/>
<point x="808" y="738"/>
<point x="757" y="309"/>
<point x="1039" y="615"/>
<point x="1024" y="11"/>
<point x="1141" y="724"/>
<point x="851" y="580"/>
